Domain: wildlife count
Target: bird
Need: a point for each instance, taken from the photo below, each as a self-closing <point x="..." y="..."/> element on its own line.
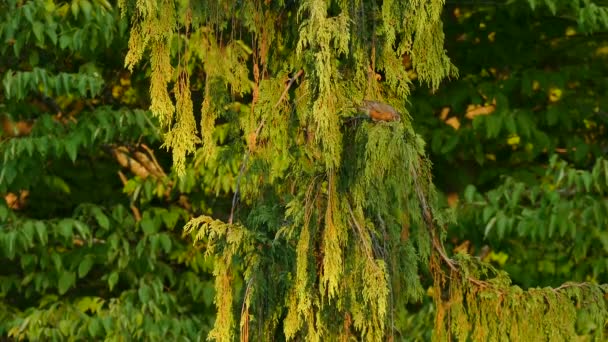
<point x="378" y="111"/>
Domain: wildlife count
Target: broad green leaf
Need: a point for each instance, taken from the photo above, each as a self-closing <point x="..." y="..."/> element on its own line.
<point x="66" y="280"/>
<point x="144" y="294"/>
<point x="83" y="229"/>
<point x="148" y="225"/>
<point x="170" y="218"/>
<point x="65" y="227"/>
<point x="94" y="327"/>
<point x="71" y="147"/>
<point x="85" y="266"/>
<point x="41" y="232"/>
<point x="38" y="30"/>
<point x="165" y="242"/>
<point x="112" y="280"/>
<point x="4" y="211"/>
<point x="102" y="219"/>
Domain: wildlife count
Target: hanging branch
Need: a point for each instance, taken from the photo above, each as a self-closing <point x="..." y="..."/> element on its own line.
<point x="291" y="81"/>
<point x="451" y="263"/>
<point x="255" y="135"/>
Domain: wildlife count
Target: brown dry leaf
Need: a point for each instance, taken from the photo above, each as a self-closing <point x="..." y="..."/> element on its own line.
<point x="121" y="154"/>
<point x="463" y="247"/>
<point x="15" y="129"/>
<point x="17" y="201"/>
<point x="445" y="111"/>
<point x="480" y="110"/>
<point x="454" y="122"/>
<point x="252" y="139"/>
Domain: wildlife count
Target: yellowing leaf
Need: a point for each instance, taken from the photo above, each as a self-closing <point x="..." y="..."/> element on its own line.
<point x="513" y="140"/>
<point x="500" y="257"/>
<point x="445" y="111"/>
<point x="116" y="91"/>
<point x="570" y="31"/>
<point x="602" y="51"/>
<point x="555" y="94"/>
<point x="473" y="111"/>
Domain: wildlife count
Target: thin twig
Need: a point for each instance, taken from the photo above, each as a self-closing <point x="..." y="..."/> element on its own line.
<point x="568" y="285"/>
<point x="245" y="325"/>
<point x="238" y="184"/>
<point x="360" y="229"/>
<point x="291" y="82"/>
<point x="428" y="218"/>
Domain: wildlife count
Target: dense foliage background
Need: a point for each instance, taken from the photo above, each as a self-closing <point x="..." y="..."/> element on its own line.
<point x="91" y="239"/>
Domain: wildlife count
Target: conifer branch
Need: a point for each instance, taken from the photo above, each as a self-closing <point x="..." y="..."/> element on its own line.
<point x="256" y="134"/>
<point x="245" y="312"/>
<point x="238" y="184"/>
<point x="289" y="84"/>
<point x="437" y="245"/>
<point x="360" y="231"/>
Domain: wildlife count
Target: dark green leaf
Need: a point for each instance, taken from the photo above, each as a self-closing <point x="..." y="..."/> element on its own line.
<point x="66" y="280"/>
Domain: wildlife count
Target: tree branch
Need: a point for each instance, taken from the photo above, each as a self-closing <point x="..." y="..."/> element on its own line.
<point x="256" y="134"/>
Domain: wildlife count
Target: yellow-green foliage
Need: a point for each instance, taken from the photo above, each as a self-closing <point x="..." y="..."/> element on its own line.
<point x="337" y="213"/>
<point x="494" y="310"/>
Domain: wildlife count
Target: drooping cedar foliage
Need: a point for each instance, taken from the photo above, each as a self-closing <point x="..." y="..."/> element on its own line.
<point x="333" y="216"/>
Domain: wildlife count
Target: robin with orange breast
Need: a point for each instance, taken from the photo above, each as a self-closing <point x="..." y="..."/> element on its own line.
<point x="378" y="111"/>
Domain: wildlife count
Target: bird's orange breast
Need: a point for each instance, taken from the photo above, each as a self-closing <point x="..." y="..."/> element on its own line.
<point x="380" y="111"/>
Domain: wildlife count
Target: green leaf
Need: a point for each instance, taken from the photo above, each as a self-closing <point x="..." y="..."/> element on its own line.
<point x="10" y="240"/>
<point x="501" y="224"/>
<point x="148" y="225"/>
<point x="38" y="30"/>
<point x="52" y="34"/>
<point x="587" y="180"/>
<point x="94" y="327"/>
<point x="82" y="229"/>
<point x="450" y="144"/>
<point x="489" y="226"/>
<point x="469" y="193"/>
<point x="27" y="233"/>
<point x="71" y="147"/>
<point x="170" y="218"/>
<point x="65" y="228"/>
<point x="102" y="219"/>
<point x="41" y="232"/>
<point x="57" y="262"/>
<point x="75" y="8"/>
<point x="3" y="212"/>
<point x="552" y="224"/>
<point x="144" y="294"/>
<point x="64" y="327"/>
<point x="85" y="266"/>
<point x="112" y="280"/>
<point x="493" y="125"/>
<point x="66" y="280"/>
<point x="86" y="8"/>
<point x="165" y="242"/>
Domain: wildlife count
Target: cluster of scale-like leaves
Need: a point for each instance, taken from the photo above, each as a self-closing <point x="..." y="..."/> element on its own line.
<point x="494" y="310"/>
<point x="308" y="73"/>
